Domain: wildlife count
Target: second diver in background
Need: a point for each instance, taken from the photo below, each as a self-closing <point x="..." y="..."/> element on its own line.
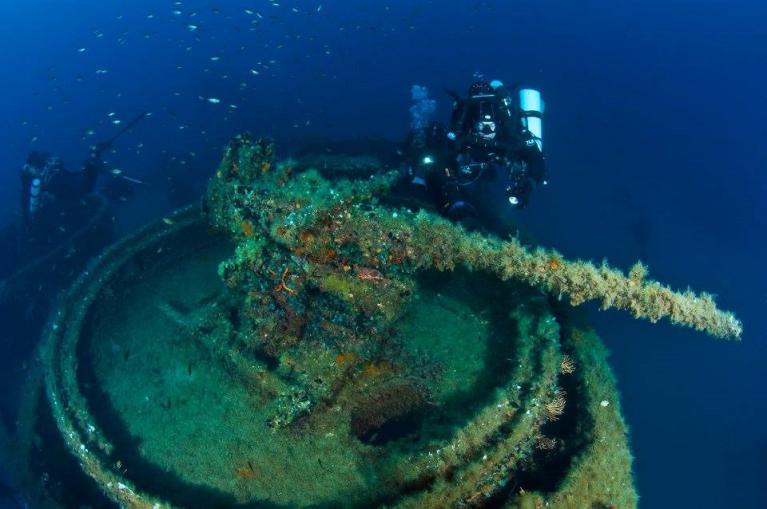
<point x="51" y="194"/>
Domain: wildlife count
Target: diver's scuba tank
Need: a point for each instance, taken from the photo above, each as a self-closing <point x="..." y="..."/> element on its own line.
<point x="35" y="189"/>
<point x="532" y="107"/>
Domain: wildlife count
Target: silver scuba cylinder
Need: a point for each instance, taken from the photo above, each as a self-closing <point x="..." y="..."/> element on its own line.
<point x="532" y="106"/>
<point x="35" y="189"/>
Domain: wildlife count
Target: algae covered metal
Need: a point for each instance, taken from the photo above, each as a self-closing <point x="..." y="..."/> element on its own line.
<point x="299" y="343"/>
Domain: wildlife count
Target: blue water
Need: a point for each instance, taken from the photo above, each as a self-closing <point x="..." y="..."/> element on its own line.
<point x="654" y="135"/>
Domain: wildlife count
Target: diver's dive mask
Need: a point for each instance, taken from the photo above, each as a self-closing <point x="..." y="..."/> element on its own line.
<point x="486" y="128"/>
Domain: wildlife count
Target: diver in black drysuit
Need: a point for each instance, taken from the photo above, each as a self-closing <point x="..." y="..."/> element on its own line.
<point x="486" y="164"/>
<point x="46" y="185"/>
<point x="48" y="189"/>
<point x="428" y="154"/>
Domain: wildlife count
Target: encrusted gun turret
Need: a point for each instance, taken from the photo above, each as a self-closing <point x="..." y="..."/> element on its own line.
<point x="302" y="344"/>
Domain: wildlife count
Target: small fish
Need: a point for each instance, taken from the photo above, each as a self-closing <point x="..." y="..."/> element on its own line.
<point x="115" y="171"/>
<point x="214" y="100"/>
<point x="168" y="220"/>
<point x="192" y="28"/>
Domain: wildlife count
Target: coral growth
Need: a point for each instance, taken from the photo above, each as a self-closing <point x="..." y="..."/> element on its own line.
<point x="555" y="407"/>
<point x="567" y="366"/>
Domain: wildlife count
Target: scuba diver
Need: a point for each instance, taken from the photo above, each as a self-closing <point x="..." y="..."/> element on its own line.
<point x="48" y="189"/>
<point x="427" y="148"/>
<point x="486" y="164"/>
